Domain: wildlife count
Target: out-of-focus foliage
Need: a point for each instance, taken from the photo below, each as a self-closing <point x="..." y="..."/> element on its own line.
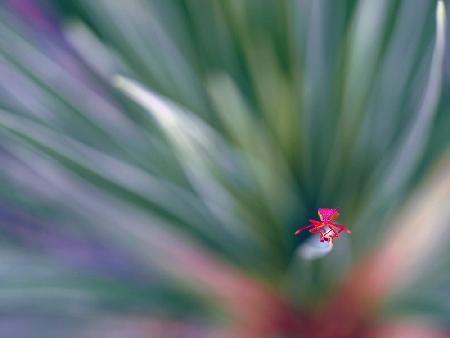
<point x="157" y="155"/>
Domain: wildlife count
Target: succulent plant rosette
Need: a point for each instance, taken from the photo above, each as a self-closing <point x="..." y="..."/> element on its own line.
<point x="163" y="163"/>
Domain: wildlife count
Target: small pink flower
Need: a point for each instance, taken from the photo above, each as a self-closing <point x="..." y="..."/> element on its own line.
<point x="326" y="228"/>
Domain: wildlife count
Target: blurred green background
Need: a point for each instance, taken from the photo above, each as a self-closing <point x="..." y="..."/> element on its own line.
<point x="158" y="155"/>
